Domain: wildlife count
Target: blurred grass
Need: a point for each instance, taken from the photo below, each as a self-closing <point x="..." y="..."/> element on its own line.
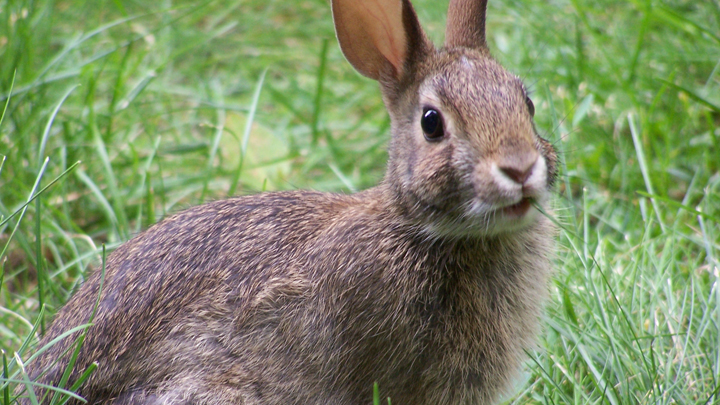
<point x="169" y="104"/>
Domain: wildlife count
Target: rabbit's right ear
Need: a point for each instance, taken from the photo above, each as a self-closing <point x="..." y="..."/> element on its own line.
<point x="378" y="37"/>
<point x="466" y="24"/>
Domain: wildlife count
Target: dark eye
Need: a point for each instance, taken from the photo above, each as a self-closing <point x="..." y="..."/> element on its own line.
<point x="432" y="125"/>
<point x="530" y="106"/>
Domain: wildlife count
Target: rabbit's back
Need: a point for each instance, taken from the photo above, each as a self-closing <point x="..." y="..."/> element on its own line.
<point x="172" y="295"/>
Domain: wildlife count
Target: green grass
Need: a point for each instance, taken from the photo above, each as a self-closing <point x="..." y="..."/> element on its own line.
<point x="122" y="112"/>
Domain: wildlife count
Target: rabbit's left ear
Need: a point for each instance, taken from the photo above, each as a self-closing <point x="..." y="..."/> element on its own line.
<point x="378" y="36"/>
<point x="466" y="24"/>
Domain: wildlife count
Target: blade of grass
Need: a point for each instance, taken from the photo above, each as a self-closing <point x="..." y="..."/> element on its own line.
<point x="549" y="380"/>
<point x="5" y="376"/>
<point x="599" y="41"/>
<point x="685" y="24"/>
<point x="146" y="182"/>
<point x="9" y="96"/>
<point x="39" y="193"/>
<point x="53" y="114"/>
<point x="26" y="380"/>
<point x="109" y="212"/>
<point x="343" y="178"/>
<point x="582" y="109"/>
<point x="117" y="88"/>
<point x="713" y="263"/>
<point x="246" y="133"/>
<point x="319" y="92"/>
<point x="118" y="200"/>
<point x="220" y="118"/>
<point x="692" y="95"/>
<point x="83" y="377"/>
<point x="39" y="267"/>
<point x="2" y="164"/>
<point x="679" y="205"/>
<point x="644" y="168"/>
<point x="644" y="25"/>
<point x="22" y="349"/>
<point x="57" y="340"/>
<point x="24" y="209"/>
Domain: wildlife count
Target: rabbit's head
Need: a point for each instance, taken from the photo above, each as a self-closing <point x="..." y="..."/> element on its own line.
<point x="465" y="158"/>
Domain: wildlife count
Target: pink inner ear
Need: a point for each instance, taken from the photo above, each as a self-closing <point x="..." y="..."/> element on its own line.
<point x="383" y="21"/>
<point x="372" y="34"/>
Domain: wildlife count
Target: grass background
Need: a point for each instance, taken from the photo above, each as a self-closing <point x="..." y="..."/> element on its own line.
<point x="119" y="112"/>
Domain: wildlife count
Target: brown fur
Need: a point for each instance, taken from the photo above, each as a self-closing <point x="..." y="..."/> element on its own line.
<point x="308" y="298"/>
<point x="468" y="27"/>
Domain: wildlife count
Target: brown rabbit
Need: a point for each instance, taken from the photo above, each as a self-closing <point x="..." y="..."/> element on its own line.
<point x="430" y="283"/>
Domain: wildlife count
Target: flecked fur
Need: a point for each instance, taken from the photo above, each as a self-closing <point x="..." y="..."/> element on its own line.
<point x="302" y="297"/>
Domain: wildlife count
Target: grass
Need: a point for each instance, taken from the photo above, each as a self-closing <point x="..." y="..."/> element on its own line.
<point x="117" y="113"/>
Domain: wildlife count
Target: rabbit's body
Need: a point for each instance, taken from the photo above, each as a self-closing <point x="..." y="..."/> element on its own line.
<point x="445" y="322"/>
<point x="430" y="284"/>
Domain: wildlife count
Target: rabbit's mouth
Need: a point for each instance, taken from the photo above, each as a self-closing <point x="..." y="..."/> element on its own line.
<point x="519" y="209"/>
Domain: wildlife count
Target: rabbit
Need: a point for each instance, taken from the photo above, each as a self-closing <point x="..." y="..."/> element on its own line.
<point x="430" y="284"/>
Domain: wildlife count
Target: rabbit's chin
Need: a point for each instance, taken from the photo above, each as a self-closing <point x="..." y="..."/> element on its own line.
<point x="481" y="219"/>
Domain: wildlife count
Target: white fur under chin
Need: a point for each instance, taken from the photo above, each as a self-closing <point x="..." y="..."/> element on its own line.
<point x="483" y="220"/>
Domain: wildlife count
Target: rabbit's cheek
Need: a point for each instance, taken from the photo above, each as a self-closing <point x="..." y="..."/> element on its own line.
<point x="486" y="191"/>
<point x="550" y="160"/>
<point x="435" y="177"/>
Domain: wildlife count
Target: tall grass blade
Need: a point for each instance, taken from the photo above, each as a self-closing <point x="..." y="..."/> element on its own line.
<point x="39" y="261"/>
<point x="24" y="209"/>
<point x="7" y="100"/>
<point x="118" y="200"/>
<point x="56" y="340"/>
<point x="219" y="130"/>
<point x="26" y="380"/>
<point x="246" y="133"/>
<point x="149" y="191"/>
<point x="345" y="180"/>
<point x="109" y="212"/>
<point x="320" y="78"/>
<point x="693" y="95"/>
<point x="53" y="114"/>
<point x="680" y="206"/>
<point x="5" y="377"/>
<point x="644" y="167"/>
<point x="30" y="337"/>
<point x="39" y="193"/>
<point x="686" y="24"/>
<point x="83" y="377"/>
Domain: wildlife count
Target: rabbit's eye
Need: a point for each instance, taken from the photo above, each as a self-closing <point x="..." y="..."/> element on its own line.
<point x="530" y="106"/>
<point x="432" y="125"/>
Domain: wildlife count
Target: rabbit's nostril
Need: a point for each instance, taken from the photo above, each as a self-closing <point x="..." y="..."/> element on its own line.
<point x="517" y="175"/>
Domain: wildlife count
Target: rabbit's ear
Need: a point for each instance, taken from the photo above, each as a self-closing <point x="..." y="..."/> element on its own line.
<point x="466" y="24"/>
<point x="378" y="36"/>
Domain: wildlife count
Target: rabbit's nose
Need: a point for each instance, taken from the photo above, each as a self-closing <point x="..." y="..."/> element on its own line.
<point x="519" y="176"/>
<point x="518" y="170"/>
